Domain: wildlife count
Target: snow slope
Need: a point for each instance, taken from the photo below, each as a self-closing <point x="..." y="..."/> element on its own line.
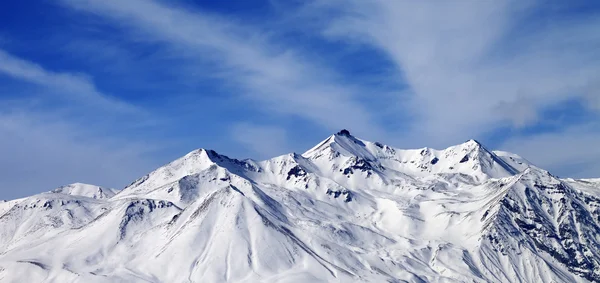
<point x="86" y="190"/>
<point x="347" y="210"/>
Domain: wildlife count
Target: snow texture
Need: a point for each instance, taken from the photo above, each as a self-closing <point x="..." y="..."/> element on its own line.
<point x="347" y="210"/>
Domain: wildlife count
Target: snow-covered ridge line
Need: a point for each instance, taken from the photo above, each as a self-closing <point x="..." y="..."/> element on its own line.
<point x="346" y="210"/>
<point x="86" y="190"/>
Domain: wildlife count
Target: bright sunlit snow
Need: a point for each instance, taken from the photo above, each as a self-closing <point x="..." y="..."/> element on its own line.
<point x="347" y="210"/>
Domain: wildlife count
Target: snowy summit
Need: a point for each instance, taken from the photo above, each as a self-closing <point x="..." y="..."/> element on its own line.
<point x="346" y="210"/>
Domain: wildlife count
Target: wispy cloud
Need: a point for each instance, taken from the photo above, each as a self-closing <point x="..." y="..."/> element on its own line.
<point x="264" y="140"/>
<point x="69" y="85"/>
<point x="593" y="95"/>
<point x="41" y="151"/>
<point x="471" y="66"/>
<point x="279" y="78"/>
<point x="64" y="131"/>
<point x="571" y="152"/>
<point x="461" y="70"/>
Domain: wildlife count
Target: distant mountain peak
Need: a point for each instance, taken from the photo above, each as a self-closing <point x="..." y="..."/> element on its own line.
<point x="473" y="142"/>
<point x="86" y="190"/>
<point x="470" y="145"/>
<point x="344" y="132"/>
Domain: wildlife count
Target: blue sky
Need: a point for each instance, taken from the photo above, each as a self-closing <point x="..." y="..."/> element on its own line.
<point x="103" y="91"/>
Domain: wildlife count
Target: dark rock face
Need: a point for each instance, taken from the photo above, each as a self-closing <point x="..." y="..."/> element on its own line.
<point x="348" y="196"/>
<point x="360" y="165"/>
<point x="296" y="171"/>
<point x="344" y="132"/>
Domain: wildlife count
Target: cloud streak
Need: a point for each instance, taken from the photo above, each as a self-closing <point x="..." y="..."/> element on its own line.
<point x="264" y="140"/>
<point x="280" y="79"/>
<point x="462" y="70"/>
<point x="68" y="85"/>
<point x="43" y="151"/>
<point x="572" y="151"/>
<point x="65" y="131"/>
<point x="470" y="67"/>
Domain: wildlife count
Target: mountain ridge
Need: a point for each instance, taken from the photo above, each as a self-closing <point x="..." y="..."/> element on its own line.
<point x="346" y="210"/>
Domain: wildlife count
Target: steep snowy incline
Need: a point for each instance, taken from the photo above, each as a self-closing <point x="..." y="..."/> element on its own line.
<point x="347" y="210"/>
<point x="192" y="163"/>
<point x="548" y="217"/>
<point x="514" y="160"/>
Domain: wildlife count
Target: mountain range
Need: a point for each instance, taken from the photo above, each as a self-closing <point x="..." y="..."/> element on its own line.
<point x="346" y="210"/>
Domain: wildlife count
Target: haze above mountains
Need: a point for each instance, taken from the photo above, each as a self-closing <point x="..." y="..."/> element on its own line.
<point x="346" y="210"/>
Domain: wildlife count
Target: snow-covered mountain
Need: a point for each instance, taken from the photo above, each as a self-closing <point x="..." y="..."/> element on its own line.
<point x="347" y="210"/>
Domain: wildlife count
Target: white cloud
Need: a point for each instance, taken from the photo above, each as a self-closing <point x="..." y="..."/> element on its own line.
<point x="40" y="152"/>
<point x="471" y="66"/>
<point x="592" y="95"/>
<point x="266" y="141"/>
<point x="573" y="151"/>
<point x="70" y="85"/>
<point x="282" y="80"/>
<point x="48" y="143"/>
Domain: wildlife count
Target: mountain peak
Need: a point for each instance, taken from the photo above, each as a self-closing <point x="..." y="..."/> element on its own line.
<point x="341" y="143"/>
<point x="344" y="132"/>
<point x="85" y="190"/>
<point x="469" y="145"/>
<point x="202" y="158"/>
<point x="473" y="142"/>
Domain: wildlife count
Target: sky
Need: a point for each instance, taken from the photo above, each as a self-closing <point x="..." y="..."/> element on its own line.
<point x="104" y="91"/>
